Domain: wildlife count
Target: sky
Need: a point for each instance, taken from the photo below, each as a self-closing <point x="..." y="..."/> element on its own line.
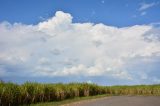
<point x="107" y="42"/>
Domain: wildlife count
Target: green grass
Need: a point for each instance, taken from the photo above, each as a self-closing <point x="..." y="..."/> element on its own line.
<point x="76" y="99"/>
<point x="12" y="94"/>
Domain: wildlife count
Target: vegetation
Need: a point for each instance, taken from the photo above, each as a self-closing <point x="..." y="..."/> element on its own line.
<point x="12" y="94"/>
<point x="68" y="101"/>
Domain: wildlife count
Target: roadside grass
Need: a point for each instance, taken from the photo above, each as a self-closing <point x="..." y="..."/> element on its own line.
<point x="63" y="102"/>
<point x="12" y="94"/>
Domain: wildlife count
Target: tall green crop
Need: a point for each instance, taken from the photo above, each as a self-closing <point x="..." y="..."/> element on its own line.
<point x="12" y="94"/>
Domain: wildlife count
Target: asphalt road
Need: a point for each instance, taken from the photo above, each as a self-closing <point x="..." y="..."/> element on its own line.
<point x="121" y="101"/>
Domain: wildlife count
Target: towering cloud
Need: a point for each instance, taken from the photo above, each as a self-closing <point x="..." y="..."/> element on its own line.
<point x="58" y="47"/>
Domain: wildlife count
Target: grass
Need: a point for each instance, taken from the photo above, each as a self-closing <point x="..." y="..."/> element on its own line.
<point x="76" y="99"/>
<point x="12" y="94"/>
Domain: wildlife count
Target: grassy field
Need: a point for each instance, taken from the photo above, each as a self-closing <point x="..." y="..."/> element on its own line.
<point x="12" y="94"/>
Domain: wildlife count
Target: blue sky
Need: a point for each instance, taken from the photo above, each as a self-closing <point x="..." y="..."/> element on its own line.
<point x="108" y="42"/>
<point x="111" y="12"/>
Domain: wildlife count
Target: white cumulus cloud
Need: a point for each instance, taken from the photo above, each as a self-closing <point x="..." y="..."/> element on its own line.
<point x="58" y="47"/>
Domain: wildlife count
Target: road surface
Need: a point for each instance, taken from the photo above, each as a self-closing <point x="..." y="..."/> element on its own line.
<point x="120" y="101"/>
